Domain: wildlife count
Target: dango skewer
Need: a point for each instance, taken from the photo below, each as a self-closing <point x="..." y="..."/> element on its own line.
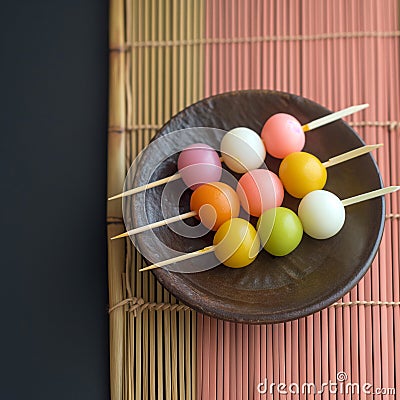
<point x="212" y="203"/>
<point x="241" y="149"/>
<point x="236" y="244"/>
<point x="322" y="213"/>
<point x="317" y="207"/>
<point x="302" y="172"/>
<point x="283" y="134"/>
<point x="197" y="164"/>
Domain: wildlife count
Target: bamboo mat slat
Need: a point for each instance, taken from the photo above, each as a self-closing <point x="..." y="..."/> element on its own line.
<point x="153" y="337"/>
<point x="167" y="54"/>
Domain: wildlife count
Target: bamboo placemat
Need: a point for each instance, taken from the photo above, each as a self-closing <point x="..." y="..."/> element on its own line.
<point x="165" y="55"/>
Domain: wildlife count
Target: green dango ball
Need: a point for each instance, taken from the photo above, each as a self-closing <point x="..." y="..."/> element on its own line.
<point x="280" y="231"/>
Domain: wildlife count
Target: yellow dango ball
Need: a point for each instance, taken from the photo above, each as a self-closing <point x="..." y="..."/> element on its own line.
<point x="302" y="173"/>
<point x="236" y="243"/>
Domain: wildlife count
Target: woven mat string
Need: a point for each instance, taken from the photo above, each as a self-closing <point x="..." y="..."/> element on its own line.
<point x="258" y="39"/>
<point x="392" y="125"/>
<point x="366" y="303"/>
<point x="137" y="304"/>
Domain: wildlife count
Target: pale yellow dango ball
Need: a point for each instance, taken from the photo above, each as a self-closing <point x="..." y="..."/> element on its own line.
<point x="236" y="243"/>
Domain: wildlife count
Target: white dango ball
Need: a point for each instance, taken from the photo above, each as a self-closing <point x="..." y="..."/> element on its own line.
<point x="242" y="150"/>
<point x="322" y="214"/>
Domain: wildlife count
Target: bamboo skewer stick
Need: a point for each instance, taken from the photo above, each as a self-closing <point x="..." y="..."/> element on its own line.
<point x="333" y="117"/>
<point x="351" y="154"/>
<point x="155" y="225"/>
<point x="370" y="195"/>
<point x="147" y="186"/>
<point x="307" y="127"/>
<point x="347" y="202"/>
<point x="183" y="257"/>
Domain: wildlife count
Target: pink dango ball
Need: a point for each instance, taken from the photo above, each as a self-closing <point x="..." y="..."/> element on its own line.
<point x="282" y="135"/>
<point x="199" y="164"/>
<point x="259" y="190"/>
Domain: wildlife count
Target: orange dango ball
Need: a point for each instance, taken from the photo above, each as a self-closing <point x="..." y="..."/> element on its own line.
<point x="302" y="173"/>
<point x="215" y="203"/>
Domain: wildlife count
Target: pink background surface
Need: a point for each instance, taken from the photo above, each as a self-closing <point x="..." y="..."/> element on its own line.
<point x="338" y="53"/>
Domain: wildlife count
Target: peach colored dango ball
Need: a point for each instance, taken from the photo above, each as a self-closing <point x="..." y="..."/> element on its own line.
<point x="259" y="190"/>
<point x="282" y="134"/>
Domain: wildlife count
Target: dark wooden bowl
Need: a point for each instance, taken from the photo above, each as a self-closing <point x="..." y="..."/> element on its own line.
<point x="271" y="289"/>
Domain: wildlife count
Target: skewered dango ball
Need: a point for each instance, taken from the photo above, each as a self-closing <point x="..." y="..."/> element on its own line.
<point x="215" y="203"/>
<point x="259" y="190"/>
<point x="236" y="243"/>
<point x="199" y="164"/>
<point x="280" y="231"/>
<point x="242" y="150"/>
<point x="302" y="173"/>
<point x="282" y="134"/>
<point x="322" y="214"/>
